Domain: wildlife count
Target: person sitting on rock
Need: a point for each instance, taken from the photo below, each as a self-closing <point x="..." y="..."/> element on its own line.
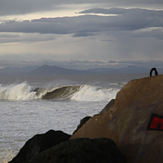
<point x="155" y="71"/>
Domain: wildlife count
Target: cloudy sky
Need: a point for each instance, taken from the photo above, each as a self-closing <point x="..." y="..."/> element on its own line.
<point x="81" y="33"/>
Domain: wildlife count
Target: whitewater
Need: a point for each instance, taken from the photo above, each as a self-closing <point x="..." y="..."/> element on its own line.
<point x="23" y="91"/>
<point x="31" y="107"/>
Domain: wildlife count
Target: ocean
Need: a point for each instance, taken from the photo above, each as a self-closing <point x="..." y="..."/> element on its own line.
<point x="34" y="105"/>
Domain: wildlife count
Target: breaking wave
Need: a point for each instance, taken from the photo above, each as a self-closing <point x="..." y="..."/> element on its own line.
<point x="24" y="91"/>
<point x="20" y="91"/>
<point x="92" y="93"/>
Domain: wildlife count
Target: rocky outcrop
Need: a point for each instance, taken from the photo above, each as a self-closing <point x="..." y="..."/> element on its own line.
<point x="82" y="122"/>
<point x="55" y="146"/>
<point x="39" y="143"/>
<point x="127" y="121"/>
<point x="82" y="151"/>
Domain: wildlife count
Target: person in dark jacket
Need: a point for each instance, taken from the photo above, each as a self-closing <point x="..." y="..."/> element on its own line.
<point x="155" y="71"/>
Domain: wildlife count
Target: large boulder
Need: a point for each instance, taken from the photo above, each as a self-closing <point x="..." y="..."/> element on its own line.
<point x="82" y="151"/>
<point x="39" y="143"/>
<point x="134" y="121"/>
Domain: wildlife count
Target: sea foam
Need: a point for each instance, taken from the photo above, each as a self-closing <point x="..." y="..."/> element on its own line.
<point x="20" y="91"/>
<point x="93" y="93"/>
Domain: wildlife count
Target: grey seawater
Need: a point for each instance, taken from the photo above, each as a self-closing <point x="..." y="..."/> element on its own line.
<point x="21" y="118"/>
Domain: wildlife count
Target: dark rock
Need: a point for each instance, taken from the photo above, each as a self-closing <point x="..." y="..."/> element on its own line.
<point x="38" y="144"/>
<point x="82" y="150"/>
<point x="82" y="122"/>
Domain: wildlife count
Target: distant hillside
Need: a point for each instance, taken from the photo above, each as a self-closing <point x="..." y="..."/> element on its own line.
<point x="45" y="69"/>
<point x="128" y="69"/>
<point x="54" y="70"/>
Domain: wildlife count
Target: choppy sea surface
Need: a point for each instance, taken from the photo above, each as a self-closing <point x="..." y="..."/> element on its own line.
<point x="34" y="105"/>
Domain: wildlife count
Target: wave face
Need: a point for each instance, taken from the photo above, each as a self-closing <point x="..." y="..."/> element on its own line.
<point x="24" y="91"/>
<point x="61" y="93"/>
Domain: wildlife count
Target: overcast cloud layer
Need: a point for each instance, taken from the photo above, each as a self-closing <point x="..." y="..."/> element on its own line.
<point x="9" y="7"/>
<point x="104" y="33"/>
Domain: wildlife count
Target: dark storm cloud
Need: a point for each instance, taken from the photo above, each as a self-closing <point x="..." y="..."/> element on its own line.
<point x="86" y="25"/>
<point x="105" y="30"/>
<point x="64" y="25"/>
<point x="134" y="18"/>
<point x="15" y="7"/>
<point x="105" y="11"/>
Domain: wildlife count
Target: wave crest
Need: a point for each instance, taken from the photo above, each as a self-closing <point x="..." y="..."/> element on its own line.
<point x="93" y="93"/>
<point x="23" y="91"/>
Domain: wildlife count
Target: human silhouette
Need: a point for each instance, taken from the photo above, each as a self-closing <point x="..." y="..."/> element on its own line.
<point x="155" y="71"/>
